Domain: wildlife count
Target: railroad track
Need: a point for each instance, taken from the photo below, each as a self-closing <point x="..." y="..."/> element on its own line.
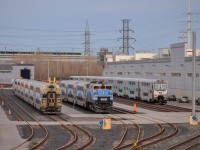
<point x="155" y="107"/>
<point x="154" y="139"/>
<point x="122" y="143"/>
<point x="188" y="144"/>
<point x="82" y="139"/>
<point x="24" y="115"/>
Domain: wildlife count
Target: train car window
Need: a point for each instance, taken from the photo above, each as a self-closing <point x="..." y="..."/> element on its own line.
<point x="62" y="85"/>
<point x="57" y="95"/>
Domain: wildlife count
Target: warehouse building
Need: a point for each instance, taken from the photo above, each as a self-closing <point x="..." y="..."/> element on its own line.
<point x="10" y="71"/>
<point x="176" y="69"/>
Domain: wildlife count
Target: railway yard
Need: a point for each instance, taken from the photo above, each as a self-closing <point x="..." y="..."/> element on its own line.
<point x="152" y="126"/>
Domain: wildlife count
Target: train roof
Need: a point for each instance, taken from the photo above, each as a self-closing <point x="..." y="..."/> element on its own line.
<point x="35" y="83"/>
<point x="117" y="78"/>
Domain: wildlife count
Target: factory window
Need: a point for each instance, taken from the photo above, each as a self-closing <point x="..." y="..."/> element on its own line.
<point x="119" y="73"/>
<point x="148" y="73"/>
<point x="137" y="73"/>
<point x="175" y="74"/>
<point x="160" y="74"/>
<point x="190" y="74"/>
<point x="5" y="71"/>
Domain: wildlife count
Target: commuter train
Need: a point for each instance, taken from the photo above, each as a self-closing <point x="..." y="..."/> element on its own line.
<point x="150" y="90"/>
<point x="45" y="97"/>
<point x="97" y="96"/>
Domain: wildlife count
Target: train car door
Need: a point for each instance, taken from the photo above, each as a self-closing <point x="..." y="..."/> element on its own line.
<point x="51" y="99"/>
<point x="132" y="89"/>
<point x="120" y="88"/>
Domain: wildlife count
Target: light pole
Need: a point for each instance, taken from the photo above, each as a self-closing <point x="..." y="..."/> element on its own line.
<point x="48" y="69"/>
<point x="193" y="117"/>
<point x="194" y="73"/>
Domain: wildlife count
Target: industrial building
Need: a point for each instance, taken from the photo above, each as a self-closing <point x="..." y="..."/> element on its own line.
<point x="176" y="69"/>
<point x="10" y="71"/>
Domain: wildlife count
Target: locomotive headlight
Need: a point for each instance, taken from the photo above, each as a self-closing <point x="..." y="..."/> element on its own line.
<point x="94" y="98"/>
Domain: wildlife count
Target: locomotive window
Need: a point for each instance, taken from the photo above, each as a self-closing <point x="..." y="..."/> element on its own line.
<point x="51" y="96"/>
<point x="96" y="87"/>
<point x="108" y="87"/>
<point x="102" y="87"/>
<point x="163" y="87"/>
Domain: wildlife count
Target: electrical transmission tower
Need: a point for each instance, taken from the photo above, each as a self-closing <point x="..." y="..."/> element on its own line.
<point x="87" y="51"/>
<point x="126" y="37"/>
<point x="189" y="24"/>
<point x="182" y="36"/>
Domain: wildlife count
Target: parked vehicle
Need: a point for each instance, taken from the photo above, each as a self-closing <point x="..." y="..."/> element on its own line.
<point x="198" y="101"/>
<point x="172" y="98"/>
<point x="184" y="99"/>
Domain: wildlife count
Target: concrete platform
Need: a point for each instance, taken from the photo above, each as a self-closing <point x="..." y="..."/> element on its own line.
<point x="9" y="135"/>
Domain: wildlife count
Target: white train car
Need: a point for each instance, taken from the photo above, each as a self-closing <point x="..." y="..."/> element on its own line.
<point x="45" y="97"/>
<point x="150" y="90"/>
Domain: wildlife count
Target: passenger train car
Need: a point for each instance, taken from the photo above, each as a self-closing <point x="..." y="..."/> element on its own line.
<point x="45" y="97"/>
<point x="96" y="96"/>
<point x="150" y="90"/>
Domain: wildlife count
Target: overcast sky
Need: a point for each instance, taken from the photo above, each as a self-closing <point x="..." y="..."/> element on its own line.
<point x="60" y="24"/>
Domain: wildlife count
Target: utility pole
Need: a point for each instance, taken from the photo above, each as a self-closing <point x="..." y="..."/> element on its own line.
<point x="194" y="73"/>
<point x="126" y="37"/>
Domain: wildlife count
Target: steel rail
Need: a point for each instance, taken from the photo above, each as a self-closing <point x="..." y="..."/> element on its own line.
<point x="31" y="128"/>
<point x="46" y="132"/>
<point x="183" y="142"/>
<point x="72" y="132"/>
<point x="90" y="136"/>
<point x="138" y="142"/>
